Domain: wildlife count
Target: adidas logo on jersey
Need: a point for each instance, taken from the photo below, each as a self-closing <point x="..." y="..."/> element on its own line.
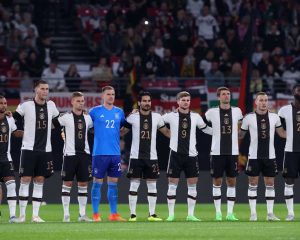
<point x="102" y="116"/>
<point x="2" y="123"/>
<point x="41" y="110"/>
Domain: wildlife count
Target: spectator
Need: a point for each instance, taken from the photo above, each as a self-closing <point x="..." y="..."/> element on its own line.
<point x="234" y="76"/>
<point x="133" y="16"/>
<point x="151" y="63"/>
<point x="26" y="24"/>
<point x="14" y="41"/>
<point x="195" y="7"/>
<point x="46" y="51"/>
<point x="256" y="84"/>
<point x="258" y="54"/>
<point x="159" y="49"/>
<point x="125" y="65"/>
<point x="188" y="64"/>
<point x="168" y="66"/>
<point x="55" y="78"/>
<point x="291" y="76"/>
<point x="133" y="43"/>
<point x="214" y="77"/>
<point x="292" y="41"/>
<point x="112" y="43"/>
<point x="225" y="63"/>
<point x="72" y="77"/>
<point x="34" y="65"/>
<point x="205" y="64"/>
<point x="234" y="44"/>
<point x="182" y="34"/>
<point x="102" y="73"/>
<point x="273" y="38"/>
<point x="273" y="81"/>
<point x="207" y="26"/>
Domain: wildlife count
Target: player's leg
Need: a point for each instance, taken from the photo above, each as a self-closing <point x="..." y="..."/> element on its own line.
<point x="113" y="173"/>
<point x="191" y="170"/>
<point x="173" y="173"/>
<point x="269" y="172"/>
<point x="67" y="174"/>
<point x="253" y="170"/>
<point x="252" y="196"/>
<point x="99" y="166"/>
<point x="231" y="173"/>
<point x="11" y="197"/>
<point x="290" y="173"/>
<point x="65" y="199"/>
<point x="217" y="168"/>
<point x="192" y="198"/>
<point x="1" y="196"/>
<point x="37" y="197"/>
<point x="83" y="175"/>
<point x="151" y="173"/>
<point x="134" y="174"/>
<point x="26" y="171"/>
<point x="8" y="176"/>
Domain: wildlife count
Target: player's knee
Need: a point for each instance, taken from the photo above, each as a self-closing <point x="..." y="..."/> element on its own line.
<point x="192" y="190"/>
<point x="172" y="189"/>
<point x="289" y="181"/>
<point x="134" y="185"/>
<point x="151" y="187"/>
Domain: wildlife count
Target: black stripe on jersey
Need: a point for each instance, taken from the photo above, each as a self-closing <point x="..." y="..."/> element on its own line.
<point x="4" y="139"/>
<point x="226" y="131"/>
<point x="79" y="132"/>
<point x="296" y="129"/>
<point x="263" y="135"/>
<point x="184" y="132"/>
<point x="145" y="136"/>
<point x="41" y="127"/>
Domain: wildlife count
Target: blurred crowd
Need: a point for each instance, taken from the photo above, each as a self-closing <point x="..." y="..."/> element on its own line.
<point x="172" y="39"/>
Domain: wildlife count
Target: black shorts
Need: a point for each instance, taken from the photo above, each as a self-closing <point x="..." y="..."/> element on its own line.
<point x="223" y="163"/>
<point x="6" y="170"/>
<point x="291" y="165"/>
<point x="181" y="162"/>
<point x="35" y="163"/>
<point x="79" y="165"/>
<point x="268" y="167"/>
<point x="143" y="168"/>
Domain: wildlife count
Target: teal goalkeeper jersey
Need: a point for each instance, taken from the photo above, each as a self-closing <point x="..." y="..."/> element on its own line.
<point x="107" y="124"/>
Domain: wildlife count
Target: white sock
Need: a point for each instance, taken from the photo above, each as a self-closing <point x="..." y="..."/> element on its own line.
<point x="270" y="196"/>
<point x="11" y="197"/>
<point x="191" y="199"/>
<point x="289" y="198"/>
<point x="132" y="197"/>
<point x="217" y="198"/>
<point x="152" y="196"/>
<point x="37" y="196"/>
<point x="82" y="199"/>
<point x="23" y="197"/>
<point x="230" y="199"/>
<point x="171" y="196"/>
<point x="252" y="196"/>
<point x="65" y="199"/>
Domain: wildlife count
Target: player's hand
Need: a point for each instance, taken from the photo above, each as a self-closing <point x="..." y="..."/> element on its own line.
<point x="135" y="110"/>
<point x="63" y="135"/>
<point x="8" y="113"/>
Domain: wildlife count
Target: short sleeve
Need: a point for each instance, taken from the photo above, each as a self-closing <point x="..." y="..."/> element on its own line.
<point x="89" y="121"/>
<point x="281" y="113"/>
<point x="160" y="122"/>
<point x="245" y="124"/>
<point x="13" y="126"/>
<point x="200" y="123"/>
<point x="208" y="115"/>
<point x="55" y="112"/>
<point x="62" y="120"/>
<point x="240" y="114"/>
<point x="278" y="121"/>
<point x="166" y="117"/>
<point x="129" y="119"/>
<point x="20" y="109"/>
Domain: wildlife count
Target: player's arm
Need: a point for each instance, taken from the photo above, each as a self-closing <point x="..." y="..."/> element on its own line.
<point x="165" y="131"/>
<point x="125" y="129"/>
<point x="243" y="127"/>
<point x="18" y="133"/>
<point x="281" y="132"/>
<point x="203" y="126"/>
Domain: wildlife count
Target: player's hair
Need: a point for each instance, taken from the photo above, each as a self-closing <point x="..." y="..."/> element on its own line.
<point x="1" y="97"/>
<point x="182" y="94"/>
<point x="295" y="86"/>
<point x="39" y="82"/>
<point x="260" y="94"/>
<point x="107" y="88"/>
<point x="220" y="89"/>
<point x="77" y="94"/>
<point x="142" y="94"/>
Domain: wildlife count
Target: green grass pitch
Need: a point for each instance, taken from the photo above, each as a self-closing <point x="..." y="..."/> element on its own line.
<point x="207" y="229"/>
